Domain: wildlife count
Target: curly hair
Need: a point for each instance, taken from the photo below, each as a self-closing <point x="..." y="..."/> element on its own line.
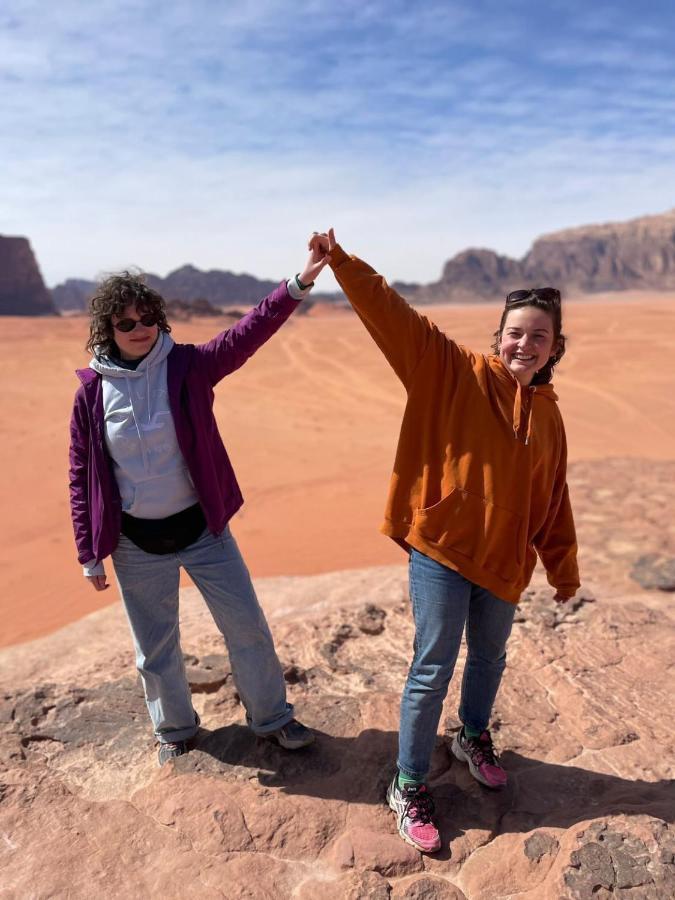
<point x="111" y="298"/>
<point x="548" y="300"/>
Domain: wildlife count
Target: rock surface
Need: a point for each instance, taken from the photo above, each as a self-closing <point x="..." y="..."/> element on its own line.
<point x="638" y="254"/>
<point x="583" y="719"/>
<point x="22" y="290"/>
<point x="654" y="570"/>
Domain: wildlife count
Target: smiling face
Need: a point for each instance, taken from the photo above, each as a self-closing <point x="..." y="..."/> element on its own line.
<point x="527" y="342"/>
<point x="136" y="343"/>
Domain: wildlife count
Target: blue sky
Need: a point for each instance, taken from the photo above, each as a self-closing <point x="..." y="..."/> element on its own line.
<point x="222" y="133"/>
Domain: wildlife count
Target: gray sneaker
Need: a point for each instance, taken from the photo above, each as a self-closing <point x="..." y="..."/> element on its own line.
<point x="171" y="750"/>
<point x="292" y="736"/>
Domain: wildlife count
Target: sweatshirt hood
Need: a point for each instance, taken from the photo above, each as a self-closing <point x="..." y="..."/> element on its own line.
<point x="523" y="397"/>
<point x="105" y="365"/>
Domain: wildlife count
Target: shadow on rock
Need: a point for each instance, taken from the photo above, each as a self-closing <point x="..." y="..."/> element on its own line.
<point x="357" y="770"/>
<point x="561" y="795"/>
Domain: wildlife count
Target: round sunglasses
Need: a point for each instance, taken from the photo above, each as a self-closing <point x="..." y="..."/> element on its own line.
<point x="126" y="325"/>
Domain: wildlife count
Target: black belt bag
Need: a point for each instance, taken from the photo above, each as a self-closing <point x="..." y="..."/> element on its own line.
<point x="162" y="536"/>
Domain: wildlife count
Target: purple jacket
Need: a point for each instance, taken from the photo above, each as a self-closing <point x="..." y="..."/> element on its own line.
<point x="192" y="372"/>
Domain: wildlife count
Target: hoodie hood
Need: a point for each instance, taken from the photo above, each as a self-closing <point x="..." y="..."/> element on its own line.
<point x="141" y="437"/>
<point x="521" y="398"/>
<point x="106" y="365"/>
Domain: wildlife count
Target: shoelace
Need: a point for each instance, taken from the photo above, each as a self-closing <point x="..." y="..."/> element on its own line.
<point x="482" y="751"/>
<point x="420" y="807"/>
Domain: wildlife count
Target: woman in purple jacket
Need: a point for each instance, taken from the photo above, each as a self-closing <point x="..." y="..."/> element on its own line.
<point x="151" y="484"/>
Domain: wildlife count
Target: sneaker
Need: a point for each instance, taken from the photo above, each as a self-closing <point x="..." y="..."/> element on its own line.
<point x="414" y="808"/>
<point x="481" y="757"/>
<point x="292" y="736"/>
<point x="171" y="750"/>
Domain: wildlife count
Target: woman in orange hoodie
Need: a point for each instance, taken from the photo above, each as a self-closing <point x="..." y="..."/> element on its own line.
<point x="478" y="491"/>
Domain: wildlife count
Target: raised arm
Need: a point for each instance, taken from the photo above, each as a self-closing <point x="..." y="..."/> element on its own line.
<point x="401" y="333"/>
<point x="231" y="348"/>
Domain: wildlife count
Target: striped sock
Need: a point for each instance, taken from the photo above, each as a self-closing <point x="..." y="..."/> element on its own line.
<point x="405" y="781"/>
<point x="471" y="732"/>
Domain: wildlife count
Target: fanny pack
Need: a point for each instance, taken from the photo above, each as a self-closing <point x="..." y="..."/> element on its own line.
<point x="162" y="536"/>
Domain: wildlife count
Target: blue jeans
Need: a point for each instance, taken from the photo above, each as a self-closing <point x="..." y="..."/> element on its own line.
<point x="442" y="602"/>
<point x="149" y="583"/>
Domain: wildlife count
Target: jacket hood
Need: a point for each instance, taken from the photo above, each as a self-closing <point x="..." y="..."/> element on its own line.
<point x="104" y="365"/>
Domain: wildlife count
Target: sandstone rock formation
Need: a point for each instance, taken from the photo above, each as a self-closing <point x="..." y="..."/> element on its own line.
<point x="220" y="287"/>
<point x="639" y="254"/>
<point x="73" y="295"/>
<point x="22" y="290"/>
<point x="584" y="721"/>
<point x="186" y="286"/>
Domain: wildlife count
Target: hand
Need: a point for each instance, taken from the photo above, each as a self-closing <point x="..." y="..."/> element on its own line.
<point x="324" y="242"/>
<point x="318" y="258"/>
<point x="98" y="582"/>
<point x="559" y="599"/>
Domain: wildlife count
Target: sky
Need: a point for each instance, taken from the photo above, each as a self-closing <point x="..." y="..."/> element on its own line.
<point x="221" y="134"/>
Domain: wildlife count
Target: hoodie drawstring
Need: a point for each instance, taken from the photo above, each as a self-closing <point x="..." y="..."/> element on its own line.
<point x="518" y="412"/>
<point x="529" y="417"/>
<point x="130" y="394"/>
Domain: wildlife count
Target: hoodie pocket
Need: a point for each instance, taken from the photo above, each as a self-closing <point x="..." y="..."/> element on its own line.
<point x="488" y="535"/>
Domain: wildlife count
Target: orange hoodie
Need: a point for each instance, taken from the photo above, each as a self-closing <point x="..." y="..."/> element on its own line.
<point x="479" y="481"/>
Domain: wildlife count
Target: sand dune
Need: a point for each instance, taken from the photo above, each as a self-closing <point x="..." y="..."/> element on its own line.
<point x="311" y="424"/>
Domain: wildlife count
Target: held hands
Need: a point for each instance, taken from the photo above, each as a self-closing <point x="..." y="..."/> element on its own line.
<point x="322" y="244"/>
<point x="319" y="256"/>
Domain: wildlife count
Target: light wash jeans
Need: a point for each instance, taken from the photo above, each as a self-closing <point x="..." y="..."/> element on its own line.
<point x="442" y="602"/>
<point x="148" y="584"/>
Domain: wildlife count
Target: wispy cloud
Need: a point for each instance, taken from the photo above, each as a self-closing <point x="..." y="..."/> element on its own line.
<point x="221" y="133"/>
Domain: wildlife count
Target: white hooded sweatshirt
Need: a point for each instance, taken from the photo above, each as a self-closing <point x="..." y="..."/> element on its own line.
<point x="140" y="436"/>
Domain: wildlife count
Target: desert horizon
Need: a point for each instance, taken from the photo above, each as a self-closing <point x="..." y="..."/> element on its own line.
<point x="311" y="424"/>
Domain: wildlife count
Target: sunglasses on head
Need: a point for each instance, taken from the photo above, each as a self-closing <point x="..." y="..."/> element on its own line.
<point x="147" y="320"/>
<point x="547" y="294"/>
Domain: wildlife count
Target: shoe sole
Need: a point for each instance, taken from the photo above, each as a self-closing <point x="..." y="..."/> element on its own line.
<point x="402" y="834"/>
<point x="459" y="754"/>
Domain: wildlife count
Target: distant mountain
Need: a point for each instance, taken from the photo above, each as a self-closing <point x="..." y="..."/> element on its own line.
<point x="637" y="255"/>
<point x="22" y="290"/>
<point x="187" y="284"/>
<point x="73" y="294"/>
<point x="218" y="287"/>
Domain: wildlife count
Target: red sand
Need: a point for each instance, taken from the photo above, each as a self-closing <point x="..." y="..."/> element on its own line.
<point x="311" y="424"/>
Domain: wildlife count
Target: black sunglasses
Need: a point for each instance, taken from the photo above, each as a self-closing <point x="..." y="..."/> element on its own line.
<point x="147" y="320"/>
<point x="547" y="294"/>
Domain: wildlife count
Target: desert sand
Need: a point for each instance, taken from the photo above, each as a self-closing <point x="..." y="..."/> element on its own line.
<point x="583" y="718"/>
<point x="311" y="424"/>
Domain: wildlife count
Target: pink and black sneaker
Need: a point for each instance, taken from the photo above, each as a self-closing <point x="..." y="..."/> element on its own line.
<point x="481" y="757"/>
<point x="414" y="810"/>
